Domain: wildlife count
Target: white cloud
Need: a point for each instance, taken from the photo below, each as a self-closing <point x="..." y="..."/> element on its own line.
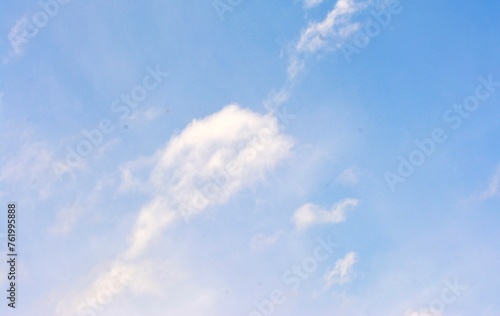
<point x="349" y="176"/>
<point x="261" y="241"/>
<point x="338" y="26"/>
<point x="493" y="189"/>
<point x="342" y="272"/>
<point x="277" y="98"/>
<point x="312" y="3"/>
<point x="147" y="115"/>
<point x="310" y="214"/>
<point x="295" y="66"/>
<point x="205" y="165"/>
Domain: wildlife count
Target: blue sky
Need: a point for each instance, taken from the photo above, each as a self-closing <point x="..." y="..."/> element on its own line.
<point x="306" y="157"/>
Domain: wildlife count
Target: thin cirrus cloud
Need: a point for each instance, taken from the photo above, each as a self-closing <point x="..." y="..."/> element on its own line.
<point x="332" y="32"/>
<point x="310" y="214"/>
<point x="261" y="241"/>
<point x="342" y="272"/>
<point x="312" y="3"/>
<point x="206" y="164"/>
<point x="338" y="26"/>
<point x="68" y="216"/>
<point x="147" y="115"/>
<point x="28" y="165"/>
<point x="146" y="278"/>
<point x="349" y="176"/>
<point x="493" y="189"/>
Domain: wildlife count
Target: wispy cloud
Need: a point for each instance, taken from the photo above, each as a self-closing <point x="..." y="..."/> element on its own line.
<point x="277" y="98"/>
<point x="147" y="115"/>
<point x="68" y="216"/>
<point x="311" y="214"/>
<point x="338" y="26"/>
<point x="342" y="272"/>
<point x="205" y="165"/>
<point x="312" y="3"/>
<point x="110" y="280"/>
<point x="493" y="189"/>
<point x="30" y="166"/>
<point x="261" y="241"/>
<point x="349" y="176"/>
<point x="331" y="33"/>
